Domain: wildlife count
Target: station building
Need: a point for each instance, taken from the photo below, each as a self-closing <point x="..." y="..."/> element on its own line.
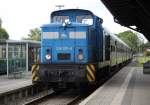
<point x="18" y="55"/>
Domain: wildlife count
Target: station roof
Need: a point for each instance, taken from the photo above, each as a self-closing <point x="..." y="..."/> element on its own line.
<point x="30" y="42"/>
<point x="131" y="13"/>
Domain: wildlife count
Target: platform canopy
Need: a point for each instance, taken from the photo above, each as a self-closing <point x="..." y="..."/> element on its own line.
<point x="131" y="13"/>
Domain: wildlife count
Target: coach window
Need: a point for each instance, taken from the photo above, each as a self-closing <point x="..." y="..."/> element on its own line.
<point x="112" y="48"/>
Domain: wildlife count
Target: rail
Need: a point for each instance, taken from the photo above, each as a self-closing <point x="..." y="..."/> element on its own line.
<point x="41" y="98"/>
<point x="53" y="96"/>
<point x="74" y="101"/>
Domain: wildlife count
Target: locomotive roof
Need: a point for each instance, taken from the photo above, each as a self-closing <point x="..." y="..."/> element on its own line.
<point x="75" y="11"/>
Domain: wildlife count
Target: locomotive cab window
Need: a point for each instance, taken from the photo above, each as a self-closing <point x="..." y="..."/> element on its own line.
<point x="60" y="19"/>
<point x="85" y="19"/>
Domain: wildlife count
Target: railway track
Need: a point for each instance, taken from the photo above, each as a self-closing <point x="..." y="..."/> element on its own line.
<point x="46" y="95"/>
<point x="57" y="98"/>
<point x="65" y="97"/>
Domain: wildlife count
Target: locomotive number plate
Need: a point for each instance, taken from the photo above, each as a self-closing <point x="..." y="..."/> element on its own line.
<point x="63" y="56"/>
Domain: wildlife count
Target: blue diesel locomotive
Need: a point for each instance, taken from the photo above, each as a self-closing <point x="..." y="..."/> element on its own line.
<point x="76" y="49"/>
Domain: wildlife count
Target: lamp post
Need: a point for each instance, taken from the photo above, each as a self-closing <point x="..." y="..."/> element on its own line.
<point x="0" y="23"/>
<point x="140" y="44"/>
<point x="60" y="6"/>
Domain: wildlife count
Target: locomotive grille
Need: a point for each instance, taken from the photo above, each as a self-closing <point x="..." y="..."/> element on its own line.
<point x="63" y="56"/>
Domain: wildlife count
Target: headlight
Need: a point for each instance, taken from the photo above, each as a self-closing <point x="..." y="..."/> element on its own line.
<point x="63" y="24"/>
<point x="80" y="56"/>
<point x="48" y="57"/>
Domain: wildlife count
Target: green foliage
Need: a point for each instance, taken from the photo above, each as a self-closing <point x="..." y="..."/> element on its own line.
<point x="35" y="34"/>
<point x="3" y="34"/>
<point x="130" y="38"/>
<point x="146" y="45"/>
<point x="142" y="60"/>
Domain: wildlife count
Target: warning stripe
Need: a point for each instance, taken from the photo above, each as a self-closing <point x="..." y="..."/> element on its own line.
<point x="34" y="68"/>
<point x="92" y="67"/>
<point x="89" y="78"/>
<point x="34" y="72"/>
<point x="90" y="72"/>
<point x="33" y="75"/>
<point x="90" y="75"/>
<point x="36" y="78"/>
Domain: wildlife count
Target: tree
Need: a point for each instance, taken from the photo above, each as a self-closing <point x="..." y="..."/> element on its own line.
<point x="130" y="38"/>
<point x="3" y="34"/>
<point x="35" y="34"/>
<point x="146" y="45"/>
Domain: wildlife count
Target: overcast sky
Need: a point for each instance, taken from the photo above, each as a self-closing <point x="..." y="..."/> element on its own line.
<point x="19" y="16"/>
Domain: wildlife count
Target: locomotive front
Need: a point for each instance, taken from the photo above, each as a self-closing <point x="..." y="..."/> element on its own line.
<point x="64" y="48"/>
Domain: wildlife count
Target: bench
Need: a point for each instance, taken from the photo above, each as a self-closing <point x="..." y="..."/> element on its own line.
<point x="17" y="74"/>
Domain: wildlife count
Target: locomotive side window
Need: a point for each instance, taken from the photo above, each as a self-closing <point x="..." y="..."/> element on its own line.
<point x="60" y="19"/>
<point x="77" y="35"/>
<point x="85" y="19"/>
<point x="50" y="35"/>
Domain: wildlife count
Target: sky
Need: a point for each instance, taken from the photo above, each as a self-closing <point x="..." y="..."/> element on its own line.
<point x="19" y="16"/>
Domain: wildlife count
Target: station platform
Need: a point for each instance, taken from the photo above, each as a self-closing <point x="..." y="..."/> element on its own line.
<point x="128" y="87"/>
<point x="10" y="84"/>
